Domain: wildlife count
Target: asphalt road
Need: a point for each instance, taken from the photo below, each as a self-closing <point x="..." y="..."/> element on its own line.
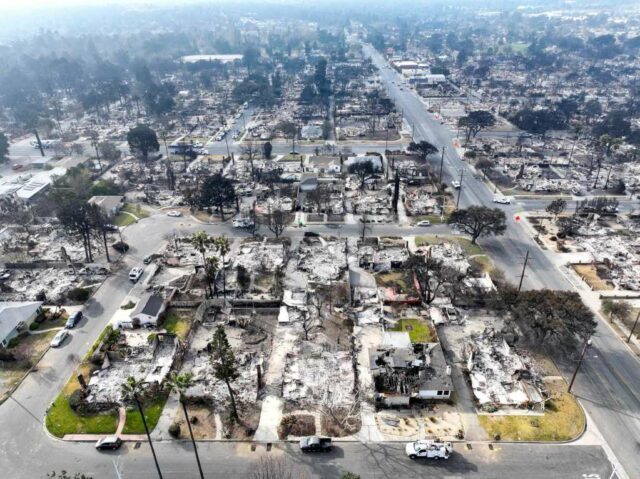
<point x="371" y="461"/>
<point x="609" y="382"/>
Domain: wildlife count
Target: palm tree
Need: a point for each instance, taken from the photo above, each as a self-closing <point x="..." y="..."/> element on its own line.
<point x="180" y="383"/>
<point x="200" y="241"/>
<point x="222" y="244"/>
<point x="130" y="391"/>
<point x="211" y="267"/>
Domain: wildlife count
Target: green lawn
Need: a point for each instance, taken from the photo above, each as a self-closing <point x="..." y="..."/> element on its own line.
<point x="137" y="210"/>
<point x="124" y="219"/>
<point x="465" y="243"/>
<point x="419" y="330"/>
<point x="152" y="412"/>
<point x="290" y="157"/>
<point x="61" y="420"/>
<point x="177" y="325"/>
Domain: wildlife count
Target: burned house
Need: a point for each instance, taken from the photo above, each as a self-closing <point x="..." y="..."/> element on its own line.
<point x="500" y="376"/>
<point x="137" y="354"/>
<point x="403" y="372"/>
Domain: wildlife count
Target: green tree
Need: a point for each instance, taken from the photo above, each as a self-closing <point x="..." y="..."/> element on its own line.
<point x="224" y="364"/>
<point x="479" y="221"/>
<point x="484" y="165"/>
<point x="217" y="191"/>
<point x="179" y="383"/>
<point x="201" y="241"/>
<point x="553" y="318"/>
<point x="423" y="148"/>
<point x="142" y="141"/>
<point x="4" y="147"/>
<point x="475" y="121"/>
<point x="556" y="207"/>
<point x="616" y="309"/>
<point x="130" y="392"/>
<point x="267" y="148"/>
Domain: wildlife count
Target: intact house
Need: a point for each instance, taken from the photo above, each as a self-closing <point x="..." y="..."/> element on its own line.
<point x="403" y="372"/>
<point x="15" y="317"/>
<point x="324" y="165"/>
<point x="110" y="205"/>
<point x="146" y="313"/>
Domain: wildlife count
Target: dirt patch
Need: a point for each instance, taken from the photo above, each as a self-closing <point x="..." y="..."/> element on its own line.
<point x="297" y="425"/>
<point x="203" y="423"/>
<point x="340" y="423"/>
<point x="245" y="428"/>
<point x="591" y="275"/>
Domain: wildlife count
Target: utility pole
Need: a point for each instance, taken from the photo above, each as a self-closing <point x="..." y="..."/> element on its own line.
<point x="413" y="126"/>
<point x="39" y="142"/>
<point x="634" y="327"/>
<point x="524" y="268"/>
<point x="441" y="165"/>
<point x="460" y="189"/>
<point x="575" y="373"/>
<point x="226" y="140"/>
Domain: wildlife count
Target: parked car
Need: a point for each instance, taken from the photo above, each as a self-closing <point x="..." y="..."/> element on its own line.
<point x="73" y="320"/>
<point x="423" y="223"/>
<point x="503" y="200"/>
<point x="135" y="273"/>
<point x="315" y="444"/>
<point x="174" y="213"/>
<point x="109" y="442"/>
<point x="429" y="449"/>
<point x="243" y="223"/>
<point x="59" y="338"/>
<point x="456" y="184"/>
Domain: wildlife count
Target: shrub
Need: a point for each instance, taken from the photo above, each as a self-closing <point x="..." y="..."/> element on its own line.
<point x="174" y="430"/>
<point x="129" y="305"/>
<point x="76" y="399"/>
<point x="13" y="342"/>
<point x="33" y="326"/>
<point x="78" y="294"/>
<point x="350" y="475"/>
<point x="120" y="247"/>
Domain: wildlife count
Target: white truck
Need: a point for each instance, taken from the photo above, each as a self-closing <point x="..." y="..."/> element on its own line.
<point x="429" y="449"/>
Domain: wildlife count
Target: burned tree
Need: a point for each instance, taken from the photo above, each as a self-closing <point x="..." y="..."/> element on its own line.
<point x="363" y="170"/>
<point x="429" y="274"/>
<point x="277" y="221"/>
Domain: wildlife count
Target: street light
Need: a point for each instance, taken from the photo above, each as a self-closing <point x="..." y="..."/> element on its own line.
<point x="575" y="373"/>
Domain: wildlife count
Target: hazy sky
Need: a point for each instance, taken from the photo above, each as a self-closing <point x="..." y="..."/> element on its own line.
<point x="22" y="4"/>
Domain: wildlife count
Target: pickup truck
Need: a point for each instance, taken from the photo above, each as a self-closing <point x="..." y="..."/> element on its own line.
<point x="315" y="444"/>
<point x="429" y="449"/>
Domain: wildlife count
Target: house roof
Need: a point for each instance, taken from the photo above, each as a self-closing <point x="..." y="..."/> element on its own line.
<point x="151" y="307"/>
<point x="107" y="203"/>
<point x="435" y="377"/>
<point x="39" y="182"/>
<point x="13" y="313"/>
